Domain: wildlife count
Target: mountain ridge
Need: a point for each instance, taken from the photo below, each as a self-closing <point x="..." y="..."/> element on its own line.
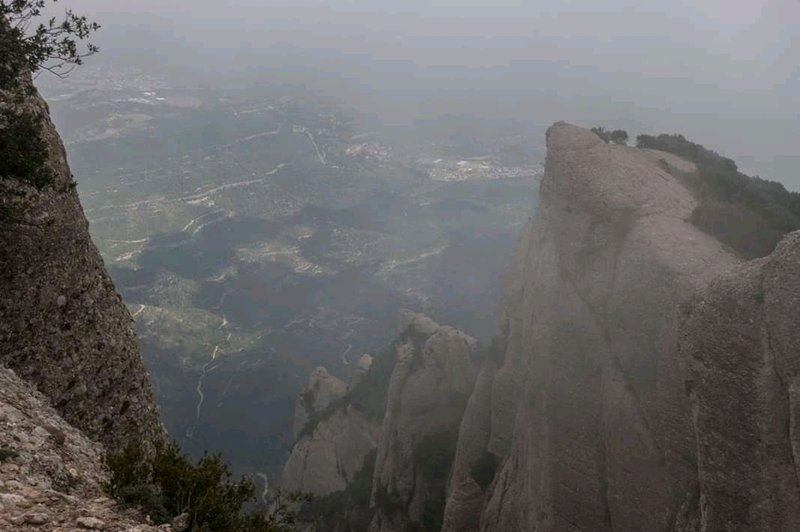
<point x="606" y="402"/>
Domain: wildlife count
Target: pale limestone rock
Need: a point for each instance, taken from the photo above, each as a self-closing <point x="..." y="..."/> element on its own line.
<point x="327" y="460"/>
<point x="331" y="444"/>
<point x="588" y="411"/>
<point x="91" y="523"/>
<point x="364" y="363"/>
<point x="741" y="341"/>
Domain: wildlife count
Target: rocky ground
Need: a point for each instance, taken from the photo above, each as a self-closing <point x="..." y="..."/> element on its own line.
<point x="51" y="475"/>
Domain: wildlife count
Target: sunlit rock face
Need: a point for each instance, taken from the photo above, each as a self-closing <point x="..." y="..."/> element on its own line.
<point x="62" y="325"/>
<point x="588" y="414"/>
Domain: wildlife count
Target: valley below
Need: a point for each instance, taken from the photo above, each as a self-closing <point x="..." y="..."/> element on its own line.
<point x="258" y="231"/>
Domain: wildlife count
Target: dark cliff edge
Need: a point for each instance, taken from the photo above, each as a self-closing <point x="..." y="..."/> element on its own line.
<point x="63" y="327"/>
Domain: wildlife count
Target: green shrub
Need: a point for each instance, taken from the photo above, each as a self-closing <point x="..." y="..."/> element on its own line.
<point x="483" y="469"/>
<point x="617" y="136"/>
<point x="6" y="454"/>
<point x="748" y="214"/>
<point x="26" y="47"/>
<point x="172" y="484"/>
<point x="53" y="44"/>
<point x="23" y="151"/>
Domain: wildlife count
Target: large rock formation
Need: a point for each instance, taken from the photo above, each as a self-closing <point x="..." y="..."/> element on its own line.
<point x="432" y="378"/>
<point x="332" y="438"/>
<point x="391" y="437"/>
<point x="322" y="390"/>
<point x="646" y="378"/>
<point x="588" y="412"/>
<point x="62" y="325"/>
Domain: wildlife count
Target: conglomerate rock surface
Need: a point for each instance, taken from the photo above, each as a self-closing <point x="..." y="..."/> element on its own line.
<point x="51" y="474"/>
<point x="63" y="327"/>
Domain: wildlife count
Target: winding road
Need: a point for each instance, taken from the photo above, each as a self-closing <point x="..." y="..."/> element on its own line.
<point x="206" y="369"/>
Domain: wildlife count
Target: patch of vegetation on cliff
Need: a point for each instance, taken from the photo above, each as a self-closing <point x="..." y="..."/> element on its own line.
<point x="171" y="484"/>
<point x="617" y="136"/>
<point x="25" y="49"/>
<point x="6" y="454"/>
<point x="748" y="214"/>
<point x="24" y="151"/>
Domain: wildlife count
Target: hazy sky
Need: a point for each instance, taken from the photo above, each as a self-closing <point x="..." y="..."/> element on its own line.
<point x="725" y="72"/>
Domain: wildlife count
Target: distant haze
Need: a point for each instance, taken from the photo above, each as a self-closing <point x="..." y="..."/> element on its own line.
<point x="723" y="73"/>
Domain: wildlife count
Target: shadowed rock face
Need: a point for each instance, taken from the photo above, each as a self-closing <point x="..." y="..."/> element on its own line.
<point x="589" y="414"/>
<point x="431" y="381"/>
<point x="62" y="325"/>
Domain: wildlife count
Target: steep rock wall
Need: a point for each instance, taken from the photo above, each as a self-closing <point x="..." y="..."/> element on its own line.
<point x="741" y="340"/>
<point x="326" y="458"/>
<point x="62" y="325"/>
<point x="429" y="387"/>
<point x="589" y="413"/>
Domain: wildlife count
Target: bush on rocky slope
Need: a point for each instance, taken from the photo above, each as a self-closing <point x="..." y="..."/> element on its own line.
<point x="172" y="484"/>
<point x="25" y="48"/>
<point x="749" y="214"/>
<point x="23" y="149"/>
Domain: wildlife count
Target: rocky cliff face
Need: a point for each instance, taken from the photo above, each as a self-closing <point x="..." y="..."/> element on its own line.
<point x="330" y="451"/>
<point x="62" y="325"/>
<point x="396" y="445"/>
<point x="322" y="390"/>
<point x="647" y="378"/>
<point x="589" y="416"/>
<point x="432" y="378"/>
<point x="741" y="342"/>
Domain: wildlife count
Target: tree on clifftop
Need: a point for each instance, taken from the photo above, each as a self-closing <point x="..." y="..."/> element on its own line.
<point x="618" y="136"/>
<point x="28" y="45"/>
